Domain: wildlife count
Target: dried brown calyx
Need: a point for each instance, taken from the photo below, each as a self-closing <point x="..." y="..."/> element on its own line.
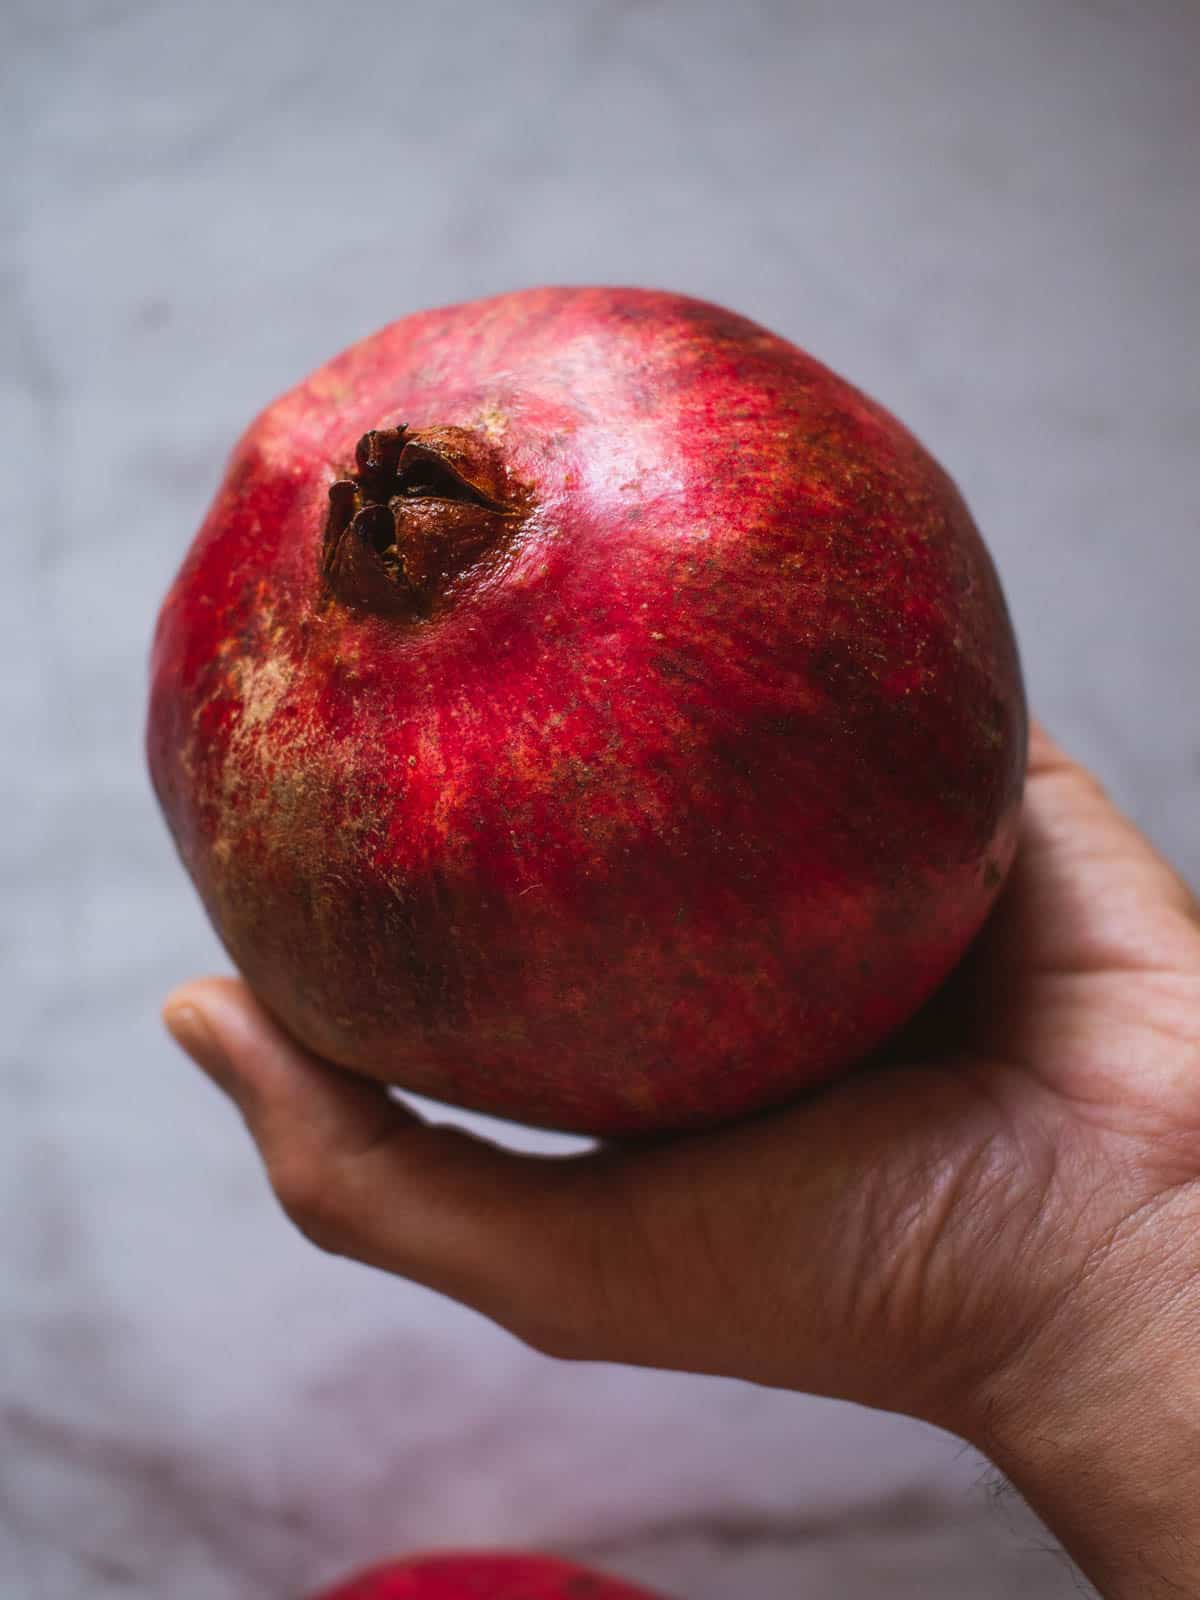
<point x="421" y="506"/>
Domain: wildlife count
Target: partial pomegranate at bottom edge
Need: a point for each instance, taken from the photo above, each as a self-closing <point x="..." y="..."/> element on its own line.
<point x="498" y="1575"/>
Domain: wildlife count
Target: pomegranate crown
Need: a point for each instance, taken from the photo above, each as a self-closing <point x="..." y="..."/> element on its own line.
<point x="421" y="507"/>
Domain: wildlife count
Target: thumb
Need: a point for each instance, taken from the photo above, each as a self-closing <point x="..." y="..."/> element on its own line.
<point x="361" y="1175"/>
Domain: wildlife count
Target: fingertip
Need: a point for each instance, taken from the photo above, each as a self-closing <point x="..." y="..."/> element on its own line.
<point x="221" y="1026"/>
<point x="208" y="993"/>
<point x="188" y="1020"/>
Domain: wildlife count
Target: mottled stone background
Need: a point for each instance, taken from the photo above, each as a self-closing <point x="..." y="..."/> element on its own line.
<point x="986" y="214"/>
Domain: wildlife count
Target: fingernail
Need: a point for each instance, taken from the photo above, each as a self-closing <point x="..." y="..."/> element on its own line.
<point x="193" y="1033"/>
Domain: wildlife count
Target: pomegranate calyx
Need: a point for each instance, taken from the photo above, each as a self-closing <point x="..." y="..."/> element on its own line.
<point x="420" y="507"/>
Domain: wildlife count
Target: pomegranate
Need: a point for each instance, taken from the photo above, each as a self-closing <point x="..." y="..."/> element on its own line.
<point x="583" y="706"/>
<point x="483" y="1577"/>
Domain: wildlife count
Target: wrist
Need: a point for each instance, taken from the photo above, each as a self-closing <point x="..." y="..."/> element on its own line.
<point x="1099" y="1429"/>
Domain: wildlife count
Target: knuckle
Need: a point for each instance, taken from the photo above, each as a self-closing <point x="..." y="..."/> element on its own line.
<point x="1092" y="784"/>
<point x="1072" y="774"/>
<point x="309" y="1198"/>
<point x="1089" y="784"/>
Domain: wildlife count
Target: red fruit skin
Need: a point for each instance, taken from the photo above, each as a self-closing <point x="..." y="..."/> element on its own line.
<point x="683" y="804"/>
<point x="484" y="1577"/>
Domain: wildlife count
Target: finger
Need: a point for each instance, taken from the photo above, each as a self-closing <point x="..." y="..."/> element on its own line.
<point x="1068" y="797"/>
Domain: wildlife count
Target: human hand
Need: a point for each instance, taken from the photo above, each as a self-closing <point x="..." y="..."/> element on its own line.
<point x="995" y="1226"/>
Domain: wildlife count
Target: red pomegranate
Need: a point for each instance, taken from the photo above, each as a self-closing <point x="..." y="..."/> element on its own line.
<point x="583" y="706"/>
<point x="484" y="1577"/>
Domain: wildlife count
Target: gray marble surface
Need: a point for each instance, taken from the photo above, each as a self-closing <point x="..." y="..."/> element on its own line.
<point x="985" y="214"/>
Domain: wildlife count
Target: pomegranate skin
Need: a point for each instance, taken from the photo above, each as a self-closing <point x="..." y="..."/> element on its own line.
<point x="487" y="1576"/>
<point x="686" y="777"/>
